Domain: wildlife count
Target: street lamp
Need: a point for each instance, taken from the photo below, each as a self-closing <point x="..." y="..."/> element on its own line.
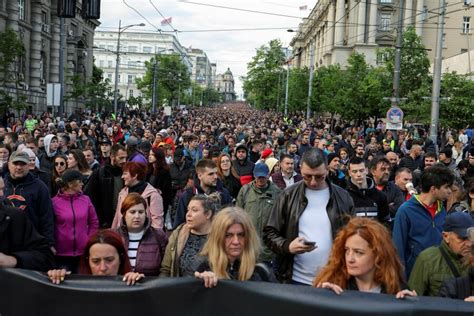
<point x="117" y="63"/>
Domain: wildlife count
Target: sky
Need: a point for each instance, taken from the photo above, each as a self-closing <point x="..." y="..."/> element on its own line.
<point x="228" y="49"/>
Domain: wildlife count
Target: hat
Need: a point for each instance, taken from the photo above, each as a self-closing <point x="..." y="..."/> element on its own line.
<point x="105" y="140"/>
<point x="241" y="146"/>
<point x="458" y="222"/>
<point x="71" y="175"/>
<point x="271" y="162"/>
<point x="19" y="156"/>
<point x="30" y="152"/>
<point x="261" y="170"/>
<point x="331" y="156"/>
<point x="132" y="141"/>
<point x="267" y="152"/>
<point x="163" y="133"/>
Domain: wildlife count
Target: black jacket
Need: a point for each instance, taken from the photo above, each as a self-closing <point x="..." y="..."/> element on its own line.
<point x="395" y="197"/>
<point x="19" y="238"/>
<point x="162" y="182"/>
<point x="369" y="202"/>
<point x="103" y="191"/>
<point x="261" y="273"/>
<point x="282" y="226"/>
<point x="458" y="288"/>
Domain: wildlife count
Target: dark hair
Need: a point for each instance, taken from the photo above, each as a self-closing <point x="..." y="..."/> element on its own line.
<point x="356" y="161"/>
<point x="210" y="203"/>
<point x="31" y="140"/>
<point x="136" y="169"/>
<point x="285" y="156"/>
<point x="431" y="154"/>
<point x="205" y="163"/>
<point x="376" y="161"/>
<point x="313" y="158"/>
<point x="116" y="148"/>
<point x="81" y="160"/>
<point x="403" y="169"/>
<point x="437" y="176"/>
<point x="160" y="163"/>
<point x="110" y="237"/>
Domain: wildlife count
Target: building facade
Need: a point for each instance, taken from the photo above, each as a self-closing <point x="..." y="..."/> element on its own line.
<point x="225" y="86"/>
<point x="336" y="28"/>
<point x="38" y="26"/>
<point x="202" y="72"/>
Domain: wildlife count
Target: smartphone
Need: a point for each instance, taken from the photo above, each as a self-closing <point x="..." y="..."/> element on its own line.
<point x="309" y="243"/>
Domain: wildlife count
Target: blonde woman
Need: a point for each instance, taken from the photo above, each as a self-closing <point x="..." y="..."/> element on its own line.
<point x="232" y="250"/>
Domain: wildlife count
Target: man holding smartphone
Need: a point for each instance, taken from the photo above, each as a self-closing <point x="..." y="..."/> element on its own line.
<point x="305" y="220"/>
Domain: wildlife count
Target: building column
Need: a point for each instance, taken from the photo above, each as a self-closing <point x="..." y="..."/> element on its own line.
<point x="419" y="18"/>
<point x="12" y="10"/>
<point x="373" y="21"/>
<point x="35" y="46"/>
<point x="340" y="23"/>
<point x="54" y="50"/>
<point x="330" y="32"/>
<point x="408" y="13"/>
<point x="361" y="22"/>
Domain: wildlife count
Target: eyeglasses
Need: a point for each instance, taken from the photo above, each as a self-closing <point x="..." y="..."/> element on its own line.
<point x="316" y="177"/>
<point x="59" y="163"/>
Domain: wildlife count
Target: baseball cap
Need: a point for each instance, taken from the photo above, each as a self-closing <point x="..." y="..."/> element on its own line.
<point x="20" y="156"/>
<point x="105" y="140"/>
<point x="458" y="222"/>
<point x="261" y="170"/>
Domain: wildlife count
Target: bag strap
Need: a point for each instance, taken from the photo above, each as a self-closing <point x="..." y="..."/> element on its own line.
<point x="450" y="263"/>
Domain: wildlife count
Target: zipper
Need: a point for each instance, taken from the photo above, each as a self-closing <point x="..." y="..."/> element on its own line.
<point x="74" y="225"/>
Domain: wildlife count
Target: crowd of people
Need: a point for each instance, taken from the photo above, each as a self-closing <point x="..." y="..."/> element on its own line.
<point x="231" y="192"/>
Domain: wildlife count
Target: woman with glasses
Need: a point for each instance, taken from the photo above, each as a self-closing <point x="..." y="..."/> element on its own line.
<point x="60" y="165"/>
<point x="228" y="175"/>
<point x="75" y="220"/>
<point x="364" y="259"/>
<point x="187" y="240"/>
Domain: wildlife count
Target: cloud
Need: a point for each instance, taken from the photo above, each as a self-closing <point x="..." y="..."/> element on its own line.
<point x="227" y="49"/>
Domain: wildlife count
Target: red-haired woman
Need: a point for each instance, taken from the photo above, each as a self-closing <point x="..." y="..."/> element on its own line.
<point x="134" y="174"/>
<point x="104" y="255"/>
<point x="145" y="244"/>
<point x="159" y="175"/>
<point x="364" y="259"/>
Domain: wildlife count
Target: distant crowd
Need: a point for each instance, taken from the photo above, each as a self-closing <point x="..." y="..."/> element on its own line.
<point x="231" y="192"/>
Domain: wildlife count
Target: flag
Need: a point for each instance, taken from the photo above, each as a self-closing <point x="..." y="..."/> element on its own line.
<point x="303" y="7"/>
<point x="166" y="21"/>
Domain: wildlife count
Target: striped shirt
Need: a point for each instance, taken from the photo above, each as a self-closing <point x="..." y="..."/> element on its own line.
<point x="133" y="242"/>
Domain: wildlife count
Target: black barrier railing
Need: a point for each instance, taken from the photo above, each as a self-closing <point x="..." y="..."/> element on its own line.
<point x="31" y="293"/>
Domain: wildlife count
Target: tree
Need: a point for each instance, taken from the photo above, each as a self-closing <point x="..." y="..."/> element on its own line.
<point x="328" y="83"/>
<point x="11" y="51"/>
<point x="457" y="110"/>
<point x="298" y="89"/>
<point x="261" y="82"/>
<point x="172" y="78"/>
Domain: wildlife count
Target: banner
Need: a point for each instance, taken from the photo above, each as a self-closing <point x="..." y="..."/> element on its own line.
<point x="31" y="293"/>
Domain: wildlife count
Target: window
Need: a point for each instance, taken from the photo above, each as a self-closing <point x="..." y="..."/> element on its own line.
<point x="131" y="93"/>
<point x="467" y="2"/>
<point x="147" y="49"/>
<point x="132" y="49"/>
<point x="109" y="64"/>
<point x="385" y="20"/>
<point x="101" y="64"/>
<point x="443" y="40"/>
<point x="21" y="9"/>
<point x="424" y="14"/>
<point x="111" y="47"/>
<point x="109" y="76"/>
<point x="463" y="50"/>
<point x="466" y="25"/>
<point x="130" y="79"/>
<point x="385" y="1"/>
<point x="102" y="46"/>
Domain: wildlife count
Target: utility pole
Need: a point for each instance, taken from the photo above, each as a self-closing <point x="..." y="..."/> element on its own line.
<point x="286" y="88"/>
<point x="310" y="86"/>
<point x="117" y="65"/>
<point x="435" y="96"/>
<point x="62" y="45"/>
<point x="398" y="55"/>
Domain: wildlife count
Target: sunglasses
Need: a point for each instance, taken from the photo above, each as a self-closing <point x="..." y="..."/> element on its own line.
<point x="59" y="163"/>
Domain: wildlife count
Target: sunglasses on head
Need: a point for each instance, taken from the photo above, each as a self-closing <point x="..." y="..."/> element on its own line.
<point x="61" y="163"/>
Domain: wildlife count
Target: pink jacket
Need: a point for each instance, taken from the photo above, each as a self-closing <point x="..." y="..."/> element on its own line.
<point x="75" y="221"/>
<point x="154" y="209"/>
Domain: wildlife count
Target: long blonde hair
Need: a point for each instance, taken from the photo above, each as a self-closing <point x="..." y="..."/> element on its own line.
<point x="214" y="249"/>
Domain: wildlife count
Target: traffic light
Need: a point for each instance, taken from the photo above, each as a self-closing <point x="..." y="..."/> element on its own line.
<point x="91" y="9"/>
<point x="66" y="8"/>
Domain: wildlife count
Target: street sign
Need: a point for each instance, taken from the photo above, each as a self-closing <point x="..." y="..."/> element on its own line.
<point x="53" y="94"/>
<point x="394" y="118"/>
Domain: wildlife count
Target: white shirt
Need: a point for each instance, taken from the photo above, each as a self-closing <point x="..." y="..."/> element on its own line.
<point x="314" y="225"/>
<point x="289" y="180"/>
<point x="133" y="242"/>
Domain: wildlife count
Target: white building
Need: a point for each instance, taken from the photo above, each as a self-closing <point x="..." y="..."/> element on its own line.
<point x="135" y="49"/>
<point x="202" y="72"/>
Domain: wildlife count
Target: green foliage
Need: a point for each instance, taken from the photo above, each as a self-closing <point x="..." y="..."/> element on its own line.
<point x="328" y="83"/>
<point x="457" y="111"/>
<point x="172" y="75"/>
<point x="11" y="49"/>
<point x="297" y="89"/>
<point x="261" y="83"/>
